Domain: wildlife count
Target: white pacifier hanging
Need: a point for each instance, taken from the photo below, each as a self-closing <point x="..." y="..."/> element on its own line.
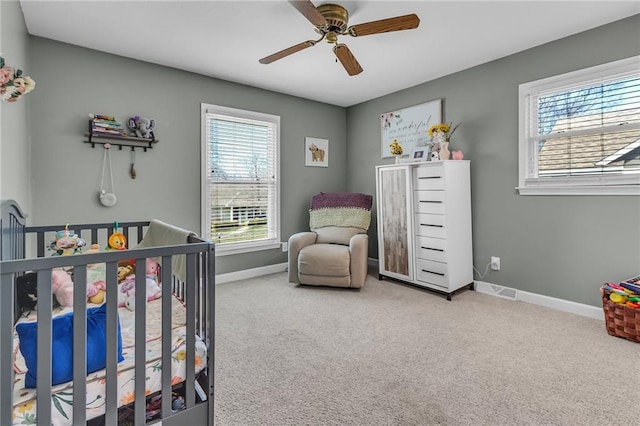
<point x="108" y="199"/>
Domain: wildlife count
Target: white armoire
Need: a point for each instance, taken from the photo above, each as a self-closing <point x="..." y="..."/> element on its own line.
<point x="424" y="224"/>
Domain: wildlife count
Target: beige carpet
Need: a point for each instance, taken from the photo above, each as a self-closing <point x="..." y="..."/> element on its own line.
<point x="391" y="354"/>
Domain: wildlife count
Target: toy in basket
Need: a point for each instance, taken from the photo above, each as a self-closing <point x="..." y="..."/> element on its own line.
<point x="621" y="305"/>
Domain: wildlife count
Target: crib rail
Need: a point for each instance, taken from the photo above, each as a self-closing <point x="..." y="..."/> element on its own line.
<point x="197" y="291"/>
<point x="92" y="233"/>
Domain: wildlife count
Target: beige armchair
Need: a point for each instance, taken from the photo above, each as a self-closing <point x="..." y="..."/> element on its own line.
<point x="335" y="252"/>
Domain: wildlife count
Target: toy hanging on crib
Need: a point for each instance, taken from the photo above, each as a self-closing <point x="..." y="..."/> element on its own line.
<point x="117" y="240"/>
<point x="66" y="243"/>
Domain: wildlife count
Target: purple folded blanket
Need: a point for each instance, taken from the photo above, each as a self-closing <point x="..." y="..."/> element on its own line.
<point x="346" y="209"/>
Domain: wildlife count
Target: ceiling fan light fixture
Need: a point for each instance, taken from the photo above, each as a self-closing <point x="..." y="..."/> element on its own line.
<point x="332" y="37"/>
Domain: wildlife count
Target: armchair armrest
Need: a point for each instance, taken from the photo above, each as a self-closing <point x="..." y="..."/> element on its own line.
<point x="296" y="243"/>
<point x="359" y="249"/>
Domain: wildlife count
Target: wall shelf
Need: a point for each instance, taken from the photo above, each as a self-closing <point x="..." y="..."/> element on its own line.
<point x="120" y="141"/>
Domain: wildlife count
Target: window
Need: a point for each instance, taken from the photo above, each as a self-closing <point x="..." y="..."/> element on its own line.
<point x="241" y="188"/>
<point x="579" y="133"/>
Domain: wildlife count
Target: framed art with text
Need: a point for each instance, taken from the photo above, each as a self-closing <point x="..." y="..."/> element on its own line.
<point x="409" y="126"/>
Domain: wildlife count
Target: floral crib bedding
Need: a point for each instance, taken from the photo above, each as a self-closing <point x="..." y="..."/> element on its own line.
<point x="24" y="410"/>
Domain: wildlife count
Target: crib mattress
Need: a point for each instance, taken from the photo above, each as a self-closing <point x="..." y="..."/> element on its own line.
<point x="24" y="410"/>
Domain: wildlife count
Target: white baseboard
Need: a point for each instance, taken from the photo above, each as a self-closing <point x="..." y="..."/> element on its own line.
<point x="251" y="273"/>
<point x="541" y="300"/>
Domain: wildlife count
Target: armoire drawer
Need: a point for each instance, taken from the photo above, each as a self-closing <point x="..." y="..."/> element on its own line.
<point x="432" y="272"/>
<point x="430" y="225"/>
<point x="428" y="177"/>
<point x="429" y="202"/>
<point x="431" y="248"/>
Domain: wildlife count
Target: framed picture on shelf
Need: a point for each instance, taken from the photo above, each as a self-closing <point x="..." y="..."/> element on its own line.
<point x="419" y="153"/>
<point x="409" y="126"/>
<point x="316" y="152"/>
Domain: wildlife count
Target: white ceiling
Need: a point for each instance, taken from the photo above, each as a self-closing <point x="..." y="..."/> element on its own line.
<point x="225" y="39"/>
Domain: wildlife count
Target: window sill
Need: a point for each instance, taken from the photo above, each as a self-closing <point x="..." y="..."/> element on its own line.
<point x="246" y="248"/>
<point x="581" y="190"/>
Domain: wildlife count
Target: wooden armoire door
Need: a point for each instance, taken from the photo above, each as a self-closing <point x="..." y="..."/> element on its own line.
<point x="394" y="225"/>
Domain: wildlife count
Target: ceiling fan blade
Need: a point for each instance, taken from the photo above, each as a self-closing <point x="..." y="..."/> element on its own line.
<point x="399" y="23"/>
<point x="349" y="62"/>
<point x="286" y="52"/>
<point x="310" y="12"/>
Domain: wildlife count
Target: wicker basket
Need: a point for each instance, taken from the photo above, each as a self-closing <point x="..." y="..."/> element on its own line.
<point x="620" y="320"/>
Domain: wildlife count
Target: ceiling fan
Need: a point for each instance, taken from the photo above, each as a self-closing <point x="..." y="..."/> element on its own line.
<point x="331" y="21"/>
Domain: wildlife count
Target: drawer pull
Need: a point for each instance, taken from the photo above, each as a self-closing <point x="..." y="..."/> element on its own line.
<point x="434" y="226"/>
<point x="430" y="177"/>
<point x="430" y="201"/>
<point x="435" y="273"/>
<point x="430" y="248"/>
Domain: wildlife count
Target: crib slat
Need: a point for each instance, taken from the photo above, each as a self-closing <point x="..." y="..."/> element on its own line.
<point x="190" y="290"/>
<point x="79" y="348"/>
<point x="40" y="242"/>
<point x="210" y="283"/>
<point x="6" y="348"/>
<point x="141" y="337"/>
<point x="111" y="387"/>
<point x="166" y="336"/>
<point x="43" y="364"/>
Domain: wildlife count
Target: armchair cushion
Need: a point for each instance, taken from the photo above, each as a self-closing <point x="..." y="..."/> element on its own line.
<point x="337" y="234"/>
<point x="324" y="259"/>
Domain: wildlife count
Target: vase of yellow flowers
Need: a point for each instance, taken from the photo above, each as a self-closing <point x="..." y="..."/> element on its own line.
<point x="396" y="150"/>
<point x="440" y="135"/>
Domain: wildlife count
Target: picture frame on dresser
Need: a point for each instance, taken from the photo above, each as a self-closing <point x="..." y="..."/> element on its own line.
<point x="419" y="153"/>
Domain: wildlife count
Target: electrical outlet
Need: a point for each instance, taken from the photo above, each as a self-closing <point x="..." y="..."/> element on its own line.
<point x="285" y="247"/>
<point x="495" y="263"/>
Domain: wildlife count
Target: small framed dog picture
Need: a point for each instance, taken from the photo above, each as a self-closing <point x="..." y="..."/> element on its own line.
<point x="316" y="152"/>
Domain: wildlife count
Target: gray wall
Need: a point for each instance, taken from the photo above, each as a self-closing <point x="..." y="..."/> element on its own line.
<point x="75" y="81"/>
<point x="562" y="247"/>
<point x="15" y="166"/>
<point x="559" y="246"/>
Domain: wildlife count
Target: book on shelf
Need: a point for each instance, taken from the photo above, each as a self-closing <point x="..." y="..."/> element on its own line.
<point x="105" y="123"/>
<point x="102" y="117"/>
<point x="111" y="132"/>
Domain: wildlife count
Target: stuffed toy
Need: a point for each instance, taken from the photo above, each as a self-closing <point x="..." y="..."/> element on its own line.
<point x="142" y="126"/>
<point x="66" y="243"/>
<point x="127" y="292"/>
<point x="124" y="271"/>
<point x="95" y="248"/>
<point x="62" y="286"/>
<point x="153" y="269"/>
<point x="117" y="241"/>
<point x="96" y="292"/>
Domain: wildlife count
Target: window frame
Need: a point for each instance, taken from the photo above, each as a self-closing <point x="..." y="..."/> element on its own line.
<point x="527" y="150"/>
<point x="205" y="214"/>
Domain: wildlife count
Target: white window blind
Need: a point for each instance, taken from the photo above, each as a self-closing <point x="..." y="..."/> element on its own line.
<point x="242" y="178"/>
<point x="581" y="131"/>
